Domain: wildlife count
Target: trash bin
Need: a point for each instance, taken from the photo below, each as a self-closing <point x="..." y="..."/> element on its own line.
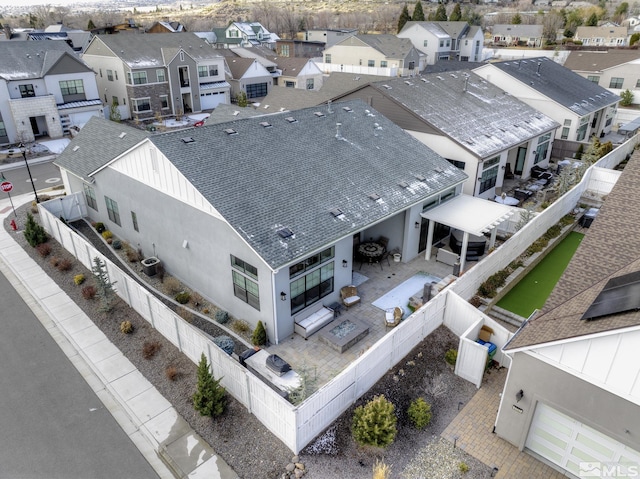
<point x="588" y="217"/>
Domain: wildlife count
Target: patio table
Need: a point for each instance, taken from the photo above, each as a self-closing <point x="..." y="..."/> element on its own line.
<point x="507" y="200"/>
<point x="371" y="251"/>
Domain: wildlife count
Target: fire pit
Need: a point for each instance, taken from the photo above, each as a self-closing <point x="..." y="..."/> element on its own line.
<point x="344" y="334"/>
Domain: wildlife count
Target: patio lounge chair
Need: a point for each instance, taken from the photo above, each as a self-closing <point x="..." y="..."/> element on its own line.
<point x="349" y="295"/>
<point x="393" y="316"/>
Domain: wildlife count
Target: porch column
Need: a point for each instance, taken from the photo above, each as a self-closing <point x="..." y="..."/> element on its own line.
<point x="427" y="253"/>
<point x="463" y="251"/>
<point x="492" y="239"/>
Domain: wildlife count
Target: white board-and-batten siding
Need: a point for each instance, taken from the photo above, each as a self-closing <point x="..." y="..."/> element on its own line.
<point x="148" y="165"/>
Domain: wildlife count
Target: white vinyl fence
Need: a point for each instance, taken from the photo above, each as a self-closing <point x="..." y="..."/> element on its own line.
<point x="297" y="426"/>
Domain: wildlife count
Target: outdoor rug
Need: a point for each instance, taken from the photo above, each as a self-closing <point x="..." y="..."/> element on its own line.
<point x="357" y="279"/>
<point x="399" y="296"/>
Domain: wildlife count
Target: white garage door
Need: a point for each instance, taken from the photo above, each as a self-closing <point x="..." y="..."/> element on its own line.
<point x="210" y="100"/>
<point x="567" y="443"/>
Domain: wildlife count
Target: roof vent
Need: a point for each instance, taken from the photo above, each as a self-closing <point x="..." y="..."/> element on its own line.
<point x="236" y="113"/>
<point x="347" y="109"/>
<point x="230" y="131"/>
<point x="374" y="196"/>
<point x="403" y="184"/>
<point x="122" y="135"/>
<point x="291" y="119"/>
<point x="265" y="107"/>
<point x="337" y="213"/>
<point x="386" y="86"/>
<point x="285" y="233"/>
<point x="187" y="139"/>
<point x="319" y="114"/>
<point x="420" y="177"/>
<point x="438" y="170"/>
<point x="76" y="148"/>
<point x="424" y="80"/>
<point x="265" y="124"/>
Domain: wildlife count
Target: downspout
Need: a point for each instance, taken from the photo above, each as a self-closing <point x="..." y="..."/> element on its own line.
<point x="274" y="298"/>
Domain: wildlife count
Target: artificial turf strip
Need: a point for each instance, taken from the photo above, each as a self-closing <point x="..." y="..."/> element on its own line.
<point x="533" y="290"/>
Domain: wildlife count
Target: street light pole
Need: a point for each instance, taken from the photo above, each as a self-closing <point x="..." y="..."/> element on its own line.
<point x="24" y="155"/>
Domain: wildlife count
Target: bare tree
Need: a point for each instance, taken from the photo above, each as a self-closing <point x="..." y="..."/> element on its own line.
<point x="60" y="14"/>
<point x="289" y="21"/>
<point x="323" y="19"/>
<point x="42" y="14"/>
<point x="386" y="19"/>
<point x="551" y="23"/>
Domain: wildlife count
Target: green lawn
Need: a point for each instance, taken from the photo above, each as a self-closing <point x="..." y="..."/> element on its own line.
<point x="534" y="289"/>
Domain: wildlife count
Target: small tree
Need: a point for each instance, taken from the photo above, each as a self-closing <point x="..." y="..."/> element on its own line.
<point x="626" y="98"/>
<point x="634" y="39"/>
<point x="418" y="12"/>
<point x="114" y="112"/>
<point x="33" y="232"/>
<point x="209" y="398"/>
<point x="241" y="98"/>
<point x="441" y="13"/>
<point x="259" y="336"/>
<point x="456" y="13"/>
<point x="419" y="413"/>
<point x="374" y="424"/>
<point x="516" y="19"/>
<point x="91" y="25"/>
<point x="592" y="21"/>
<point x="105" y="292"/>
<point x="404" y="17"/>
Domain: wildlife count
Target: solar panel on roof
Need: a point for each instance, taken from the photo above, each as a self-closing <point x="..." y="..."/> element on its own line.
<point x="619" y="295"/>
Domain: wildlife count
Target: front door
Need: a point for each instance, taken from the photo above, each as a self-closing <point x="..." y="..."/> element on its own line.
<point x="522" y="155"/>
<point x="34" y="125"/>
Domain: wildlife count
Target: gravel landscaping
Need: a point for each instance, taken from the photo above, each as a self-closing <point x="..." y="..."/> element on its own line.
<point x="245" y="444"/>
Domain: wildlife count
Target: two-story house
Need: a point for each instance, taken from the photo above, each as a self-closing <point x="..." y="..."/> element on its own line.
<point x="445" y="40"/>
<point x="329" y="36"/>
<point x="385" y="55"/>
<point x="161" y="74"/>
<point x="616" y="70"/>
<point x="582" y="108"/>
<point x="44" y="89"/>
<point x="244" y="34"/>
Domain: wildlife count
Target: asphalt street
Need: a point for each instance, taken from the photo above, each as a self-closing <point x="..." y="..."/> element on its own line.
<point x="52" y="425"/>
<point x="45" y="175"/>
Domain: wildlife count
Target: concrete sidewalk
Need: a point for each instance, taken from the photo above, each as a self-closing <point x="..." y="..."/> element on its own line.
<point x="164" y="438"/>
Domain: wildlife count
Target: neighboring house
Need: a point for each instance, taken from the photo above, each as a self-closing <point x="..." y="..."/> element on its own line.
<point x="582" y="108"/>
<point x="44" y="90"/>
<point x="616" y="70"/>
<point x="129" y="25"/>
<point x="602" y="36"/>
<point x="300" y="73"/>
<point x="162" y="74"/>
<point x="299" y="48"/>
<point x="445" y="40"/>
<point x="244" y="34"/>
<point x="517" y="35"/>
<point x="166" y="27"/>
<point x="249" y="76"/>
<point x="260" y="214"/>
<point x="385" y="55"/>
<point x="631" y="22"/>
<point x="76" y="39"/>
<point x="468" y="121"/>
<point x="329" y="36"/>
<point x="572" y="395"/>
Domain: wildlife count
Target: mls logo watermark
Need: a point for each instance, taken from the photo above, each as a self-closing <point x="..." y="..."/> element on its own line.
<point x="608" y="469"/>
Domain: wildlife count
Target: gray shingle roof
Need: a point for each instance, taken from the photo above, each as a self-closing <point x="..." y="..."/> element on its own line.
<point x="293" y="174"/>
<point x="24" y="59"/>
<point x="389" y="45"/>
<point x="431" y="27"/>
<point x="225" y="112"/>
<point x="473" y="112"/>
<point x="559" y="84"/>
<point x="518" y="30"/>
<point x="608" y="250"/>
<point x="97" y="144"/>
<point x="145" y="50"/>
<point x="599" y="61"/>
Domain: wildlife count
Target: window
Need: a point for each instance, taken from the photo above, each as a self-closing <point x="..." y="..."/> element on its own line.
<point x="327" y="58"/>
<point x="542" y="149"/>
<point x="567" y="122"/>
<point x="112" y="210"/>
<point x="466" y="42"/>
<point x="616" y="82"/>
<point x="110" y="75"/>
<point x="441" y="43"/>
<point x="310" y="84"/>
<point x="181" y="56"/>
<point x="116" y="73"/>
<point x="412" y="65"/>
<point x="565" y="133"/>
<point x="26" y="91"/>
<point x="164" y="102"/>
<point x="448" y="43"/>
<point x="71" y="87"/>
<point x="371" y="63"/>
<point x="582" y="130"/>
<point x="638" y="84"/>
<point x="138" y="78"/>
<point x="489" y="174"/>
<point x="100" y="72"/>
<point x="311" y="287"/>
<point x="213" y="70"/>
<point x="257" y="90"/>
<point x="134" y="220"/>
<point x="160" y="76"/>
<point x="284" y="50"/>
<point x="3" y="129"/>
<point x="593" y="78"/>
<point x="311" y="262"/>
<point x="141" y="104"/>
<point x="424" y="43"/>
<point x="203" y="71"/>
<point x="90" y="197"/>
<point x="114" y="100"/>
<point x="383" y="63"/>
<point x="243" y="287"/>
<point x="290" y="84"/>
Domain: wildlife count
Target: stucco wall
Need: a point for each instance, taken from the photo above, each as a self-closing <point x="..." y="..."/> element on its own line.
<point x="579" y="399"/>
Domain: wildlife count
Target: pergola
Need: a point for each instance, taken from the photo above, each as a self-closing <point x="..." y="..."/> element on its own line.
<point x="470" y="215"/>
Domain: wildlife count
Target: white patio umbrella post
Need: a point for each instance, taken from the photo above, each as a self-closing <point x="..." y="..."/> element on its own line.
<point x="463" y="251"/>
<point x="427" y="253"/>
